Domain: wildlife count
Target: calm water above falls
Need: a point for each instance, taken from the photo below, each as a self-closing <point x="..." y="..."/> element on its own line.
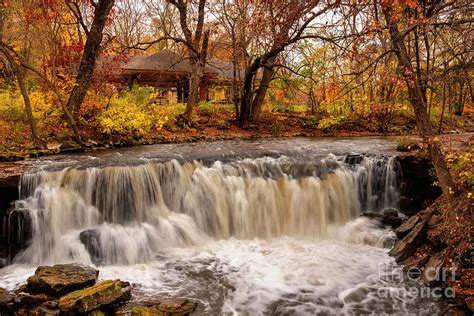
<point x="278" y="234"/>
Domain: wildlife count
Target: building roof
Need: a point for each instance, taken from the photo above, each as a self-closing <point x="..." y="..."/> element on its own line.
<point x="166" y="61"/>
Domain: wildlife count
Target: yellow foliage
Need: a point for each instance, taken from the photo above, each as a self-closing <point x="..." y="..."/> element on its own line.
<point x="132" y="114"/>
<point x="462" y="166"/>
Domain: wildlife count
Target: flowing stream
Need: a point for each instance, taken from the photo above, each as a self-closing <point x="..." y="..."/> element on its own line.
<point x="274" y="234"/>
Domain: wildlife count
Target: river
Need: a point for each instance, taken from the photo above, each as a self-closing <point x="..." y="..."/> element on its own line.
<point x="262" y="227"/>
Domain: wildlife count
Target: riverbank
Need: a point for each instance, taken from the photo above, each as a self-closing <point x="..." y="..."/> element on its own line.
<point x="210" y="123"/>
<point x="435" y="247"/>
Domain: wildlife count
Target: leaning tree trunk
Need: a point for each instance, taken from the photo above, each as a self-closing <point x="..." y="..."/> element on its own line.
<point x="26" y="99"/>
<point x="18" y="73"/>
<point x="419" y="106"/>
<point x="261" y="92"/>
<point x="89" y="56"/>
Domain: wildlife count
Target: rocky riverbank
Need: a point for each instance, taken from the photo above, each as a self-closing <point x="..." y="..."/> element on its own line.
<point x="436" y="248"/>
<point x="70" y="289"/>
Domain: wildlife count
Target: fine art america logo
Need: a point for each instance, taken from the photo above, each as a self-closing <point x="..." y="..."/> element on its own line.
<point x="414" y="279"/>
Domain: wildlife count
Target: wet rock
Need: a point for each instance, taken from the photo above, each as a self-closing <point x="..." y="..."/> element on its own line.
<point x="51" y="304"/>
<point x="146" y="311"/>
<point x="390" y="212"/>
<point x="43" y="311"/>
<point x="61" y="279"/>
<point x="412" y="262"/>
<point x="21" y="288"/>
<point x="416" y="175"/>
<point x="101" y="294"/>
<point x="407" y="246"/>
<point x="6" y="301"/>
<point x="406" y="226"/>
<point x="176" y="306"/>
<point x="15" y="231"/>
<point x="433" y="271"/>
<point x="27" y="299"/>
<point x="164" y="306"/>
<point x="91" y="240"/>
<point x="353" y="159"/>
<point x="384" y="220"/>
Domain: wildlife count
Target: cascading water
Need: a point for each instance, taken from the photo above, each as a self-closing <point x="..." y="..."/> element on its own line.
<point x="250" y="236"/>
<point x="133" y="212"/>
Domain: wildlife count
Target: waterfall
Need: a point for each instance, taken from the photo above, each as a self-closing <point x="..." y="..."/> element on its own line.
<point x="125" y="215"/>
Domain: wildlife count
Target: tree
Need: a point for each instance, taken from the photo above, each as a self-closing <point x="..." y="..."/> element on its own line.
<point x="61" y="25"/>
<point x="196" y="43"/>
<point x="278" y="24"/>
<point x="417" y="86"/>
<point x="18" y="72"/>
<point x="92" y="49"/>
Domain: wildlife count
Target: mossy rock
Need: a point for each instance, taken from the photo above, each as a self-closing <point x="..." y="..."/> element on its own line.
<point x="146" y="311"/>
<point x="166" y="307"/>
<point x="61" y="279"/>
<point x="91" y="298"/>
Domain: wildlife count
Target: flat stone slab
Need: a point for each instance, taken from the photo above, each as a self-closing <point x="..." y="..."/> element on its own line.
<point x="102" y="294"/>
<point x="61" y="279"/>
<point x="406" y="247"/>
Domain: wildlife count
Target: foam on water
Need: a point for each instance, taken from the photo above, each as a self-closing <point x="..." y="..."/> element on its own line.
<point x="284" y="275"/>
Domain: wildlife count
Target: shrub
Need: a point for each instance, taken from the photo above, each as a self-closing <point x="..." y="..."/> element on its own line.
<point x="12" y="106"/>
<point x="222" y="125"/>
<point x="130" y="116"/>
<point x="331" y="122"/>
<point x="462" y="167"/>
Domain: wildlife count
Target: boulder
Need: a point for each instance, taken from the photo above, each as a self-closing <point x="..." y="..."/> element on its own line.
<point x="384" y="220"/>
<point x="406" y="226"/>
<point x="101" y="294"/>
<point x="90" y="238"/>
<point x="407" y="246"/>
<point x="390" y="211"/>
<point x="61" y="279"/>
<point x="6" y="301"/>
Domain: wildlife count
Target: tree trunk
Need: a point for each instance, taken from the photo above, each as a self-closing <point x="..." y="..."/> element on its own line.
<point x="247" y="92"/>
<point x="440" y="129"/>
<point x="26" y="99"/>
<point x="419" y="105"/>
<point x="235" y="85"/>
<point x="89" y="56"/>
<point x="261" y="92"/>
<point x="194" y="82"/>
<point x="198" y="64"/>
